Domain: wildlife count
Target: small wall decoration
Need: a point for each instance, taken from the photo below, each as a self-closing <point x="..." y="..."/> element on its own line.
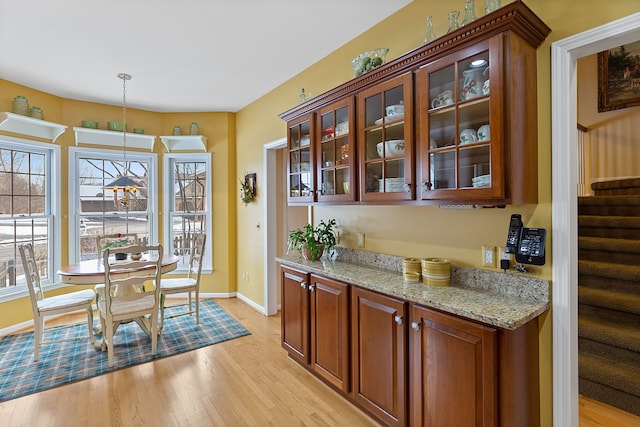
<point x="619" y="77"/>
<point x="248" y="188"/>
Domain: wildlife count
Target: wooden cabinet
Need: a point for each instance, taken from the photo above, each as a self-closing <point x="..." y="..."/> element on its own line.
<point x="406" y="364"/>
<point x="295" y="314"/>
<point x="300" y="165"/>
<point x="330" y="331"/>
<point x="468" y="132"/>
<point x="379" y="355"/>
<point x="453" y="371"/>
<point x="336" y="153"/>
<point x="385" y="140"/>
<point x="477" y="145"/>
<point x="315" y="325"/>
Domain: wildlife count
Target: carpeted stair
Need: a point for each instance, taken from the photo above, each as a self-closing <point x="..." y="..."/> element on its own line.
<point x="609" y="294"/>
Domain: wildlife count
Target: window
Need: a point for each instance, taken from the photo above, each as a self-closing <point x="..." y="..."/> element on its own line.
<point x="187" y="204"/>
<point x="29" y="186"/>
<point x="93" y="209"/>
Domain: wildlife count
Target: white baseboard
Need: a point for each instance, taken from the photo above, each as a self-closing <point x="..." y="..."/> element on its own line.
<point x="250" y="303"/>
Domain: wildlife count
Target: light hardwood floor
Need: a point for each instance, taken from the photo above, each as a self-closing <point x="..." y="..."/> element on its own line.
<point x="248" y="381"/>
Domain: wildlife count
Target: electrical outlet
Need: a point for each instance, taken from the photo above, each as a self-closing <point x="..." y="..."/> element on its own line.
<point x="488" y="256"/>
<point x="361" y="240"/>
<point x="502" y="254"/>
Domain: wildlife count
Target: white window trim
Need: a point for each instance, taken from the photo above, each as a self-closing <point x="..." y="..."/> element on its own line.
<point x="169" y="158"/>
<point x="55" y="241"/>
<point x="74" y="218"/>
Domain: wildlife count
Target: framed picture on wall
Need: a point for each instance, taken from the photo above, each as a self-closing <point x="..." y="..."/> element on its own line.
<point x="619" y="77"/>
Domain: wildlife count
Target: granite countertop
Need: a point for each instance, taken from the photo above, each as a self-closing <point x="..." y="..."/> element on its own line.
<point x="472" y="293"/>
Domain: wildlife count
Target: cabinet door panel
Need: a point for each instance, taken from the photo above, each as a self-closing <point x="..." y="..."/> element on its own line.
<point x="295" y="314"/>
<point x="330" y="331"/>
<point x="453" y="366"/>
<point x="379" y="355"/>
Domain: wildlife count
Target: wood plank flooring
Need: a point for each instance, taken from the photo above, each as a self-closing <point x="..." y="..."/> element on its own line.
<point x="248" y="381"/>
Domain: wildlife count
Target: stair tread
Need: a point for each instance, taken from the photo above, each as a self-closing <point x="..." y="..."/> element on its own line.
<point x="612" y="299"/>
<point x="609" y="244"/>
<point x="608" y="221"/>
<point x="615" y="334"/>
<point x="628" y="200"/>
<point x="620" y="376"/>
<point x="609" y="269"/>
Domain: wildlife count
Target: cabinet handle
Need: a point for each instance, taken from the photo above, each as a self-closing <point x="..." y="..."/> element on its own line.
<point x="398" y="320"/>
<point x="312" y="288"/>
<point x="415" y="326"/>
<point x="407" y="188"/>
<point x="426" y="186"/>
<point x="303" y="285"/>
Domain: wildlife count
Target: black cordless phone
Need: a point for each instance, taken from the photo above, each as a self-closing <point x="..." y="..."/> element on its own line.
<point x="513" y="236"/>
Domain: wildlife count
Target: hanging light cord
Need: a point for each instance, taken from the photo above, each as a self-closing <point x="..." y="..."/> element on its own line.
<point x="124" y="78"/>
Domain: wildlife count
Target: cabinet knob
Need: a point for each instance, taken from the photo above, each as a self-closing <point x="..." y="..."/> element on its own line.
<point x="303" y="285"/>
<point x="312" y="288"/>
<point x="398" y="320"/>
<point x="415" y="326"/>
<point x="407" y="188"/>
<point x="426" y="186"/>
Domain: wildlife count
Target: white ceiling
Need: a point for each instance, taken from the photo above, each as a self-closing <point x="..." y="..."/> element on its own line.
<point x="184" y="56"/>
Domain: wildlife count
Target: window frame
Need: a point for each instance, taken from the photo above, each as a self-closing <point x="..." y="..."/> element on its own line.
<point x="168" y="199"/>
<point x="53" y="201"/>
<point x="75" y="153"/>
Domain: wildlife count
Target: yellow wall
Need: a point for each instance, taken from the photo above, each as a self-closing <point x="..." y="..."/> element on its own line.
<point x="418" y="231"/>
<point x="220" y="130"/>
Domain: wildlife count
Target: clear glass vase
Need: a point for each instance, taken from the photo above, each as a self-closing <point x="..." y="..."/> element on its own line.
<point x="469" y="12"/>
<point x="491" y="5"/>
<point x="453" y="20"/>
<point x="429" y="34"/>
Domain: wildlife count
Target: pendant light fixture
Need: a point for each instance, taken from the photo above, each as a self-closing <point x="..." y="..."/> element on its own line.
<point x="124" y="188"/>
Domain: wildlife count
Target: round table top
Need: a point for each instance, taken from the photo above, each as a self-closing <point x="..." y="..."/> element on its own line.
<point x="91" y="272"/>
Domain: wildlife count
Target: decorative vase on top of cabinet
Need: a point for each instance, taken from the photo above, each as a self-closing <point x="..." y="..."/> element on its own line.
<point x="336" y="153"/>
<point x="385" y="141"/>
<point x="300" y="165"/>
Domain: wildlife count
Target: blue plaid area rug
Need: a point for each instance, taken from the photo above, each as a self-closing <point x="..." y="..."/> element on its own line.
<point x="67" y="362"/>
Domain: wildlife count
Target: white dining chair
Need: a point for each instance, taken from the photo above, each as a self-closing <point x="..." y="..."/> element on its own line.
<point x="49" y="306"/>
<point x="189" y="284"/>
<point x="103" y="241"/>
<point x="131" y="301"/>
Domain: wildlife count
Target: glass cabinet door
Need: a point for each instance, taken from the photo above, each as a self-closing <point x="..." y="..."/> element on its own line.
<point x="385" y="141"/>
<point x="300" y="181"/>
<point x="461" y="136"/>
<point x="336" y="152"/>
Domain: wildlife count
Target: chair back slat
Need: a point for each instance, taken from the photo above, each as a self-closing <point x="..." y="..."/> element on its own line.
<point x="31" y="274"/>
<point x="197" y="253"/>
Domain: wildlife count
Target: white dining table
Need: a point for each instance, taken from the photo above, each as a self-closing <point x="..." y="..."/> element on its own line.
<point x="91" y="272"/>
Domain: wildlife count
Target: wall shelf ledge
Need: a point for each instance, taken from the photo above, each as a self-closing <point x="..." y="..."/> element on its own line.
<point x="184" y="142"/>
<point x="17" y="123"/>
<point x="113" y="138"/>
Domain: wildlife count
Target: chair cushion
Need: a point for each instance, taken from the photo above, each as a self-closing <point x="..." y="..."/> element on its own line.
<point x="176" y="284"/>
<point x="129" y="304"/>
<point x="78" y="298"/>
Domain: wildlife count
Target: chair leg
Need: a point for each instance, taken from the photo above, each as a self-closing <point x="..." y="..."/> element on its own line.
<point x="162" y="297"/>
<point x="90" y="324"/>
<point x="197" y="307"/>
<point x="108" y="337"/>
<point x="38" y="324"/>
<point x="154" y="332"/>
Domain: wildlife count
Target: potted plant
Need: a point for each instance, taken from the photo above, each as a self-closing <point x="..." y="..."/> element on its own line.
<point x="311" y="242"/>
<point x="119" y="242"/>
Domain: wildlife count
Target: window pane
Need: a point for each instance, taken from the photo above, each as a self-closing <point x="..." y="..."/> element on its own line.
<point x="102" y="207"/>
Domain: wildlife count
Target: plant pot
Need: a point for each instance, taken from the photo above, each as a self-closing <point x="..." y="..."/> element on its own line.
<point x="120" y="256"/>
<point x="306" y="253"/>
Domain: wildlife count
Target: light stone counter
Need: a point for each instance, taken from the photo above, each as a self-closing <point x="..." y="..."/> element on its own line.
<point x="504" y="300"/>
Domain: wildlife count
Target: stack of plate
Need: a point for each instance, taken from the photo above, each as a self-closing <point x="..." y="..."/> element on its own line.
<point x="391" y="185"/>
<point x="481" y="181"/>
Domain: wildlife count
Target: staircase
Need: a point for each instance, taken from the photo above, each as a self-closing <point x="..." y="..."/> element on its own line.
<point x="609" y="295"/>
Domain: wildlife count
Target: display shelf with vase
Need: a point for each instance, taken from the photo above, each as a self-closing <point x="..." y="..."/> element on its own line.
<point x="24" y="125"/>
